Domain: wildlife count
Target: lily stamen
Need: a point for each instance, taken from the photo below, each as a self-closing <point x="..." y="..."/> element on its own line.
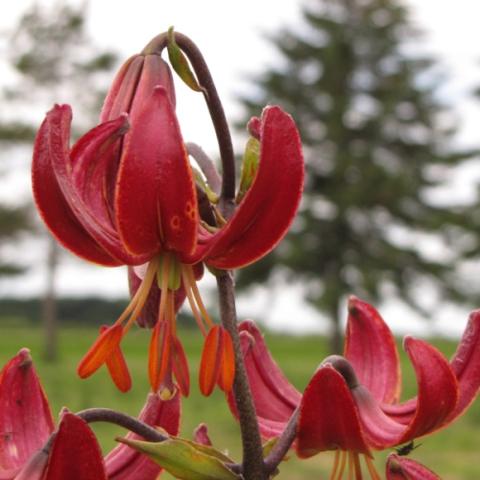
<point x="198" y="297"/>
<point x="187" y="282"/>
<point x="371" y="469"/>
<point x="140" y="297"/>
<point x="338" y="465"/>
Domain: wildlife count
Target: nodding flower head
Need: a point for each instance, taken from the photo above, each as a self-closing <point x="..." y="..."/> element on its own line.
<point x="127" y="194"/>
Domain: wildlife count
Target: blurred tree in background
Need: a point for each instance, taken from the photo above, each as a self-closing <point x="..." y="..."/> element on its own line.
<point x="52" y="59"/>
<point x="377" y="142"/>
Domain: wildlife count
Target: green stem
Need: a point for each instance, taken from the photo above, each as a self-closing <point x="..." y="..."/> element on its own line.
<point x="253" y="467"/>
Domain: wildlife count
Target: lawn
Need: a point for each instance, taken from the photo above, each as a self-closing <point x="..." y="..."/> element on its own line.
<point x="452" y="453"/>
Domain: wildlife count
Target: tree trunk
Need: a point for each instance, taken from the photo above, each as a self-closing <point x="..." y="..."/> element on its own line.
<point x="336" y="335"/>
<point x="49" y="304"/>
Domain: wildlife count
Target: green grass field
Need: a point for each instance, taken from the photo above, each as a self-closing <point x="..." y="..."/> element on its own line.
<point x="453" y="453"/>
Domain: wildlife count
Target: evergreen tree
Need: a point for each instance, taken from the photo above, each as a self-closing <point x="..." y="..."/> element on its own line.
<point x="52" y="60"/>
<point x="377" y="141"/>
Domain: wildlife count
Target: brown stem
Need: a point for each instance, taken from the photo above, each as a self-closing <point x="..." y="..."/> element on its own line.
<point x="282" y="445"/>
<point x="253" y="468"/>
<point x="215" y="108"/>
<point x="123" y="420"/>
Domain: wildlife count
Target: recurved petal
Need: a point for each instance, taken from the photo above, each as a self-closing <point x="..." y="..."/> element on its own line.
<point x="370" y="348"/>
<point x="267" y="210"/>
<point x="274" y="397"/>
<point x="403" y="468"/>
<point x="120" y="95"/>
<point x="437" y="399"/>
<point x="25" y="418"/>
<point x="81" y="175"/>
<point x="34" y="468"/>
<point x="200" y="435"/>
<point x="75" y="452"/>
<point x="328" y="418"/>
<point x="156" y="203"/>
<point x="88" y="177"/>
<point x="52" y="141"/>
<point x="124" y="463"/>
<point x="466" y="365"/>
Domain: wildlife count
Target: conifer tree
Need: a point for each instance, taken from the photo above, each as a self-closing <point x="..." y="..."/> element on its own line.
<point x="52" y="58"/>
<point x="377" y="142"/>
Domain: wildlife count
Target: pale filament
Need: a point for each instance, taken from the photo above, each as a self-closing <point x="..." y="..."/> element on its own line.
<point x="353" y="470"/>
<point x="191" y="300"/>
<point x="138" y="301"/>
<point x="198" y="297"/>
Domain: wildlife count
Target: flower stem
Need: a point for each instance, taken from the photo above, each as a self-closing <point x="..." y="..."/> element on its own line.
<point x="123" y="420"/>
<point x="215" y="108"/>
<point x="282" y="445"/>
<point x="253" y="467"/>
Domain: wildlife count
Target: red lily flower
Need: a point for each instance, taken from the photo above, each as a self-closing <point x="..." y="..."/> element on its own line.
<point x="402" y="468"/>
<point x="125" y="194"/>
<point x="31" y="448"/>
<point x="351" y="404"/>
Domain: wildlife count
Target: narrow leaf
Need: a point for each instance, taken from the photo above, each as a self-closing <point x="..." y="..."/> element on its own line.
<point x="180" y="63"/>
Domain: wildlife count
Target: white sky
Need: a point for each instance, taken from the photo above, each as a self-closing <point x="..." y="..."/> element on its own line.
<point x="229" y="35"/>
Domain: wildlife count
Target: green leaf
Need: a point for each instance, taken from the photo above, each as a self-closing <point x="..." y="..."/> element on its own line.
<point x="211" y="195"/>
<point x="249" y="167"/>
<point x="185" y="459"/>
<point x="180" y="63"/>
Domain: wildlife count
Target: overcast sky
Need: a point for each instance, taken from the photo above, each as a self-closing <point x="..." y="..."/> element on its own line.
<point x="230" y="36"/>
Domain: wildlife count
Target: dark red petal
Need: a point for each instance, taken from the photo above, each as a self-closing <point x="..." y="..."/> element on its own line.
<point x="124" y="463"/>
<point x="437" y="398"/>
<point x="328" y="418"/>
<point x="88" y="176"/>
<point x="466" y="365"/>
<point x="120" y="95"/>
<point x="210" y="362"/>
<point x="106" y="344"/>
<point x="25" y="418"/>
<point x="33" y="469"/>
<point x="370" y="348"/>
<point x="90" y="157"/>
<point x="200" y="435"/>
<point x="402" y="468"/>
<point x="274" y="397"/>
<point x="156" y="201"/>
<point x="265" y="214"/>
<point x="49" y="197"/>
<point x="75" y="452"/>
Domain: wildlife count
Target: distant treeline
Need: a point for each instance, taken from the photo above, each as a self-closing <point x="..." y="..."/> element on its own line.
<point x="84" y="310"/>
